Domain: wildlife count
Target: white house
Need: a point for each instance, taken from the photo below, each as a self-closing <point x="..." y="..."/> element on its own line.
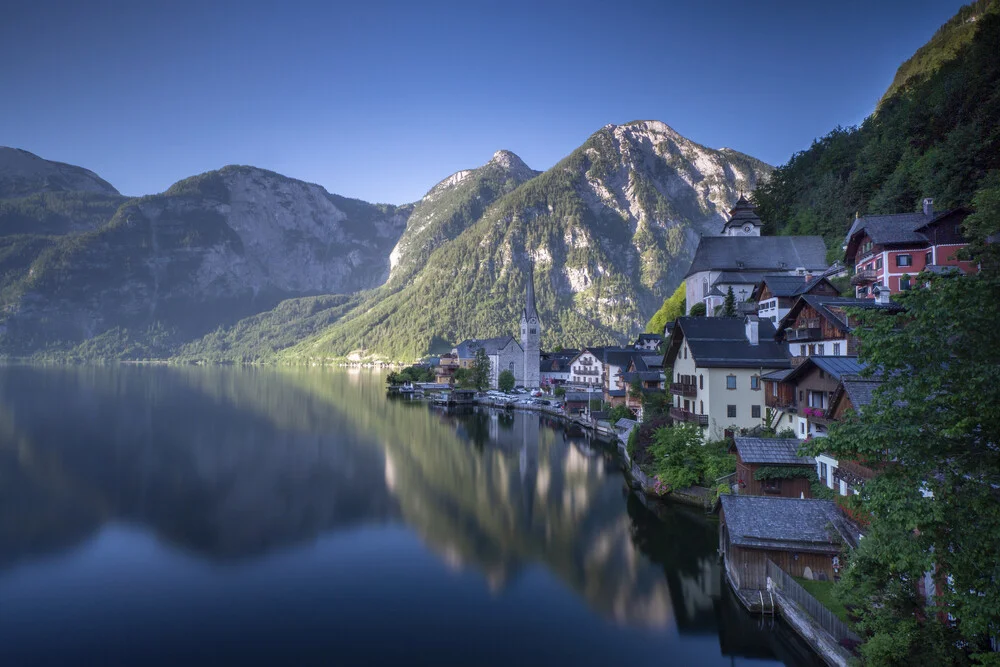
<point x="587" y="368"/>
<point x="715" y="367"/>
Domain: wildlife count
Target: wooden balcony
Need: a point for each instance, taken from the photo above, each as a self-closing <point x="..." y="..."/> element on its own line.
<point x="688" y="389"/>
<point x="681" y="415"/>
<point x="807" y="330"/>
<point x="779" y="402"/>
<point x="864" y="277"/>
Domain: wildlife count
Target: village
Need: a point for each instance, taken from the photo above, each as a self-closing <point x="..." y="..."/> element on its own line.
<point x="764" y="360"/>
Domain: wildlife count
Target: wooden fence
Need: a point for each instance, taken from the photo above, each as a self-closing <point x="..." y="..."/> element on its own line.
<point x="823" y="616"/>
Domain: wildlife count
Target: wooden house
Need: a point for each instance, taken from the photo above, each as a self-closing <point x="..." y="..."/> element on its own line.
<point x="776" y="294"/>
<point x="821" y="326"/>
<point x="804" y="537"/>
<point x="772" y="466"/>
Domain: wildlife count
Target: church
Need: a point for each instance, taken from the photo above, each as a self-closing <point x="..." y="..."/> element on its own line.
<point x="505" y="353"/>
<point x="740" y="257"/>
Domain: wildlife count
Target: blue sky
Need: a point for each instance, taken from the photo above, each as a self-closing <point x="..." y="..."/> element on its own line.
<point x="380" y="100"/>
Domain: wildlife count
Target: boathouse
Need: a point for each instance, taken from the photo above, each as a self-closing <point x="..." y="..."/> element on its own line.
<point x="772" y="466"/>
<point x="804" y="537"/>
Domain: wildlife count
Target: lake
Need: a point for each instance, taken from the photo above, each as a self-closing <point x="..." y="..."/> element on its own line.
<point x="185" y="515"/>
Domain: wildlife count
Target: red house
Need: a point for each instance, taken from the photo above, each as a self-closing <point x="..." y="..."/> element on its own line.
<point x="890" y="250"/>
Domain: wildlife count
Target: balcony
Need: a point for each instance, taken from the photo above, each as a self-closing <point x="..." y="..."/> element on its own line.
<point x="816" y="415"/>
<point x="688" y="389"/>
<point x="681" y="415"/>
<point x="779" y="403"/>
<point x="864" y="276"/>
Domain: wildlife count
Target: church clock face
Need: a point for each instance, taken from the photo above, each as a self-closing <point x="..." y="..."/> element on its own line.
<point x="747" y="228"/>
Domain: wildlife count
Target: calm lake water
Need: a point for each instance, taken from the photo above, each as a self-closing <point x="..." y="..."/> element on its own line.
<point x="164" y="516"/>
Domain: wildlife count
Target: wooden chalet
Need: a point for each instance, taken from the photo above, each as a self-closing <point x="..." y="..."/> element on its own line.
<point x="820" y="325"/>
<point x="758" y="457"/>
<point x="776" y="294"/>
<point x="804" y="537"/>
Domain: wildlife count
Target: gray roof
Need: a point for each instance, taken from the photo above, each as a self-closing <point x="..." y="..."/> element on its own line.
<point x="623" y="424"/>
<point x="790" y="285"/>
<point x="578" y="396"/>
<point x="860" y="390"/>
<point x="836" y="367"/>
<point x="782" y="523"/>
<point x="892" y="228"/>
<point x="758" y="253"/>
<point x="736" y="278"/>
<point x="777" y="376"/>
<point x="642" y="376"/>
<point x="467" y="348"/>
<point x="652" y="360"/>
<point x="720" y="342"/>
<point x="650" y="336"/>
<point x="617" y="356"/>
<point x="741" y="213"/>
<point x="782" y="451"/>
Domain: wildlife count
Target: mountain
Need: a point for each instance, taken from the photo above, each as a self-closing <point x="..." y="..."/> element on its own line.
<point x="210" y="250"/>
<point x="935" y="134"/>
<point x="610" y="231"/>
<point x="23" y="173"/>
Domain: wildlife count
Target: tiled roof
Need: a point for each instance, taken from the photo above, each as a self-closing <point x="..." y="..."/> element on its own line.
<point x="860" y="390"/>
<point x="786" y="285"/>
<point x="736" y="278"/>
<point x="467" y="348"/>
<point x="748" y="254"/>
<point x="643" y="337"/>
<point x="623" y="424"/>
<point x="781" y="451"/>
<point x="777" y="376"/>
<point x="652" y="360"/>
<point x="616" y="393"/>
<point x="836" y="367"/>
<point x="616" y="356"/>
<point x="893" y="228"/>
<point x="782" y="523"/>
<point x="642" y="376"/>
<point x="720" y="342"/>
<point x="579" y="396"/>
<point x="832" y="309"/>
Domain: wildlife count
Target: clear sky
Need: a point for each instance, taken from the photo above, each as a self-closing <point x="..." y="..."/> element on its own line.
<point x="380" y="100"/>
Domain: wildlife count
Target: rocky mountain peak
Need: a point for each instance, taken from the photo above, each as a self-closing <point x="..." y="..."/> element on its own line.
<point x="23" y="173"/>
<point x="510" y="161"/>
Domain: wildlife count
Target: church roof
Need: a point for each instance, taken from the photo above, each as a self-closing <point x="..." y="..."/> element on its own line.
<point x="741" y="213"/>
<point x="467" y="348"/>
<point x="529" y="296"/>
<point x="758" y="254"/>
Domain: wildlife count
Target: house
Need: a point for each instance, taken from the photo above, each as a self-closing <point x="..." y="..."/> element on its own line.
<point x="616" y="361"/>
<point x="715" y="368"/>
<point x="889" y="250"/>
<point x="775" y="294"/>
<point x="587" y="368"/>
<point x="554" y="369"/>
<point x="741" y="257"/>
<point x="650" y="342"/>
<point x="799" y="398"/>
<point x="447" y="365"/>
<point x="820" y="325"/>
<point x="804" y="537"/>
<point x="577" y="402"/>
<point x="853" y="392"/>
<point x="772" y="466"/>
<point x="646" y="380"/>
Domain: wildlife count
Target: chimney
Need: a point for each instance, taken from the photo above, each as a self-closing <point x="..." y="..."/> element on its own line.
<point x="752" y="332"/>
<point x="928" y="206"/>
<point x="881" y="294"/>
<point x="808" y="276"/>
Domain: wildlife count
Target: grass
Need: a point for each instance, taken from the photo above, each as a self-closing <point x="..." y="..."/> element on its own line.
<point x="823" y="591"/>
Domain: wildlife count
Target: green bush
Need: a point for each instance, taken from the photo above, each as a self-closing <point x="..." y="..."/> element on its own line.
<point x="506" y="380"/>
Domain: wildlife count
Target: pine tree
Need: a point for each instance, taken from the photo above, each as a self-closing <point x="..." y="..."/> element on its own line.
<point x="729" y="306"/>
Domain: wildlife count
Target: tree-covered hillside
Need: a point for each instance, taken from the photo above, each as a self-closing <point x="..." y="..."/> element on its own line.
<point x="938" y="136"/>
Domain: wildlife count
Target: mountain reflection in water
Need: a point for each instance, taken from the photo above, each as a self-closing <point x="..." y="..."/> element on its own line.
<point x="153" y="514"/>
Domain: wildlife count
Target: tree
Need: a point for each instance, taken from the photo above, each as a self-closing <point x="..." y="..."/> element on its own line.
<point x="619" y="412"/>
<point x="672" y="308"/>
<point x="559" y="391"/>
<point x="698" y="310"/>
<point x="480" y="377"/>
<point x="932" y="431"/>
<point x="505" y="382"/>
<point x="729" y="305"/>
<point x="463" y="378"/>
<point x="676" y="452"/>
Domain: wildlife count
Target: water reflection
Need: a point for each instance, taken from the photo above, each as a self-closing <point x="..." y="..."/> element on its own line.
<point x="237" y="465"/>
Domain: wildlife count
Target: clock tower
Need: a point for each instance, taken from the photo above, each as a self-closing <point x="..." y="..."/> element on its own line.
<point x="531" y="334"/>
<point x="743" y="220"/>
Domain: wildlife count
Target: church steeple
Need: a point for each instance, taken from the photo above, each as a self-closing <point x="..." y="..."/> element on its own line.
<point x="529" y="296"/>
<point x="743" y="219"/>
<point x="531" y="333"/>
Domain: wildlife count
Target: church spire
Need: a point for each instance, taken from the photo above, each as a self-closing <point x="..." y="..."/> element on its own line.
<point x="529" y="295"/>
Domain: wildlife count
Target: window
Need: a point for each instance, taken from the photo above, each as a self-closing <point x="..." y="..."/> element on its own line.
<point x="802" y="350"/>
<point x="771" y="486"/>
<point x="789" y="419"/>
<point x="821" y="374"/>
<point x="802" y="427"/>
<point x="904" y="283"/>
<point x="819" y="349"/>
<point x="685" y="352"/>
<point x="929" y="258"/>
<point x="822" y="473"/>
<point x="531" y="331"/>
<point x="731" y="411"/>
<point x="836" y="349"/>
<point x="755" y="382"/>
<point x="904" y="260"/>
<point x="812" y="350"/>
<point x="878" y="263"/>
<point x="687" y="406"/>
<point x="755" y="411"/>
<point x="731" y="382"/>
<point x="701" y="407"/>
<point x="512" y="366"/>
<point x="701" y="382"/>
